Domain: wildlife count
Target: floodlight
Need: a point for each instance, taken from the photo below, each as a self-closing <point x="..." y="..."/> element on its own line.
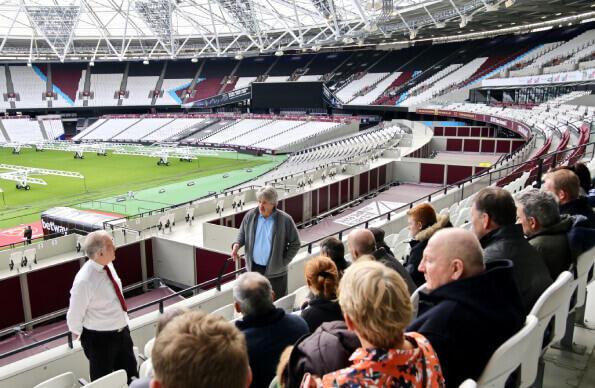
<point x="509" y="3"/>
<point x="194" y="60"/>
<point x="91" y="63"/>
<point x="278" y="53"/>
<point x="145" y="62"/>
<point x="239" y="57"/>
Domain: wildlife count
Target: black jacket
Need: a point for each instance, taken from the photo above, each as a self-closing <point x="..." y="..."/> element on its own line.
<point x="418" y="244"/>
<point x="579" y="206"/>
<point x="530" y="270"/>
<point x="553" y="245"/>
<point x="466" y="320"/>
<point x="267" y="336"/>
<point x="321" y="310"/>
<point x="383" y="257"/>
<point x="326" y="350"/>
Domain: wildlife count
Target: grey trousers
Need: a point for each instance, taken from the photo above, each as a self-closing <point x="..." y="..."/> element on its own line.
<point x="278" y="283"/>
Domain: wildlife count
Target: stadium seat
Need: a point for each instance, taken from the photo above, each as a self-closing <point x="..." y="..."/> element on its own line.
<point x="415" y="300"/>
<point x="584" y="263"/>
<point x="65" y="380"/>
<point x="463" y="217"/>
<point x="469" y="383"/>
<point x="227" y="312"/>
<point x="149" y="347"/>
<point x="117" y="379"/>
<point x="300" y="296"/>
<point x="146" y="369"/>
<point x="552" y="306"/>
<point x="509" y="356"/>
<point x="286" y="303"/>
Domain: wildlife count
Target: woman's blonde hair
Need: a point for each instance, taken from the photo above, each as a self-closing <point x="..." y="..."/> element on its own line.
<point x="322" y="275"/>
<point x="376" y="300"/>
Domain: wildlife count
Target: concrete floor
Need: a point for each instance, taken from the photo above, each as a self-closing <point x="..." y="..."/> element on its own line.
<point x="566" y="369"/>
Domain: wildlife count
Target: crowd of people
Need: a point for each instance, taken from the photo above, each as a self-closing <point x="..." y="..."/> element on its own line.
<point x="357" y="325"/>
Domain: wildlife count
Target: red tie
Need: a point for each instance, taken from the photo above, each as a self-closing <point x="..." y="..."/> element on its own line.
<point x="116" y="288"/>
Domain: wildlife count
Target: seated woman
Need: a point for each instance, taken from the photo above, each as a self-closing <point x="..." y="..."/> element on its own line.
<point x="333" y="248"/>
<point x="322" y="279"/>
<point x="375" y="303"/>
<point x="423" y="223"/>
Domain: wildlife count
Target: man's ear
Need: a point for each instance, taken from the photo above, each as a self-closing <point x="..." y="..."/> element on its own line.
<point x="249" y="377"/>
<point x="236" y="305"/>
<point x="457" y="269"/>
<point x="273" y="295"/>
<point x="562" y="195"/>
<point x="155" y="383"/>
<point x="485" y="221"/>
<point x="533" y="223"/>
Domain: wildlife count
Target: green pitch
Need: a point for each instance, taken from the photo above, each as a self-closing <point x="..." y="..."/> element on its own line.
<point x="115" y="175"/>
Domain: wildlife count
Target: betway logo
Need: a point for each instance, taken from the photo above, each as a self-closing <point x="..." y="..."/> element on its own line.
<point x="498" y="121"/>
<point x="53" y="227"/>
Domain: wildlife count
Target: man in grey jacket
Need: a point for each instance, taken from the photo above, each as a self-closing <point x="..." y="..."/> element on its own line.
<point x="270" y="238"/>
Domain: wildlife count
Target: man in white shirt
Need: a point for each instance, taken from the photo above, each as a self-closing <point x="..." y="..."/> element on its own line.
<point x="98" y="311"/>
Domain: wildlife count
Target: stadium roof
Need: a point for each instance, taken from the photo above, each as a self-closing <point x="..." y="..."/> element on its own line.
<point x="84" y="30"/>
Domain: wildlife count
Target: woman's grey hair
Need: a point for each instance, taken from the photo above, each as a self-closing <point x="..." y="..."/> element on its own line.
<point x="253" y="292"/>
<point x="94" y="242"/>
<point x="540" y="205"/>
<point x="267" y="193"/>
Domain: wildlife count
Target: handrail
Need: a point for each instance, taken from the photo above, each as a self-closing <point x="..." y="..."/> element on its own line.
<point x="159" y="301"/>
<point x="43" y="238"/>
<point x="61" y="312"/>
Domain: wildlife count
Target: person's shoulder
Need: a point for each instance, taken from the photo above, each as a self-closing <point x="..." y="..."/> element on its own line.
<point x="295" y="322"/>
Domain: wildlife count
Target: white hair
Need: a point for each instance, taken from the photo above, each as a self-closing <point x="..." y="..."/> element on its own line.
<point x="267" y="193"/>
<point x="95" y="242"/>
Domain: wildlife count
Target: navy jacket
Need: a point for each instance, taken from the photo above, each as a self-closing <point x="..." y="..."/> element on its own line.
<point x="267" y="336"/>
<point x="579" y="206"/>
<point x="466" y="320"/>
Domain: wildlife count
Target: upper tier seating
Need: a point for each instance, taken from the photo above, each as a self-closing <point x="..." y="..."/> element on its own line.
<point x="450" y="80"/>
<point x="347" y="92"/>
<point x="104" y="88"/>
<point x="139" y="89"/>
<point x="29" y="86"/>
<point x="169" y="87"/>
<point x="373" y="92"/>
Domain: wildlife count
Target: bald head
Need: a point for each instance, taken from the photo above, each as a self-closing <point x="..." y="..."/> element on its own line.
<point x="361" y="242"/>
<point x="253" y="294"/>
<point x="451" y="254"/>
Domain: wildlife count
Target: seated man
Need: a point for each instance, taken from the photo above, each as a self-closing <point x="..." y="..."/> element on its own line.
<point x="565" y="186"/>
<point x="493" y="216"/>
<point x="545" y="229"/>
<point x="200" y="350"/>
<point x="362" y="242"/>
<point x="268" y="329"/>
<point x="470" y="308"/>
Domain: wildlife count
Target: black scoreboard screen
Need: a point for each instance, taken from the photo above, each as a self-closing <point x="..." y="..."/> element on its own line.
<point x="280" y="95"/>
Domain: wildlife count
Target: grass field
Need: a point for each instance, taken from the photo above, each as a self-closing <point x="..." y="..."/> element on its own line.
<point x="104" y="177"/>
